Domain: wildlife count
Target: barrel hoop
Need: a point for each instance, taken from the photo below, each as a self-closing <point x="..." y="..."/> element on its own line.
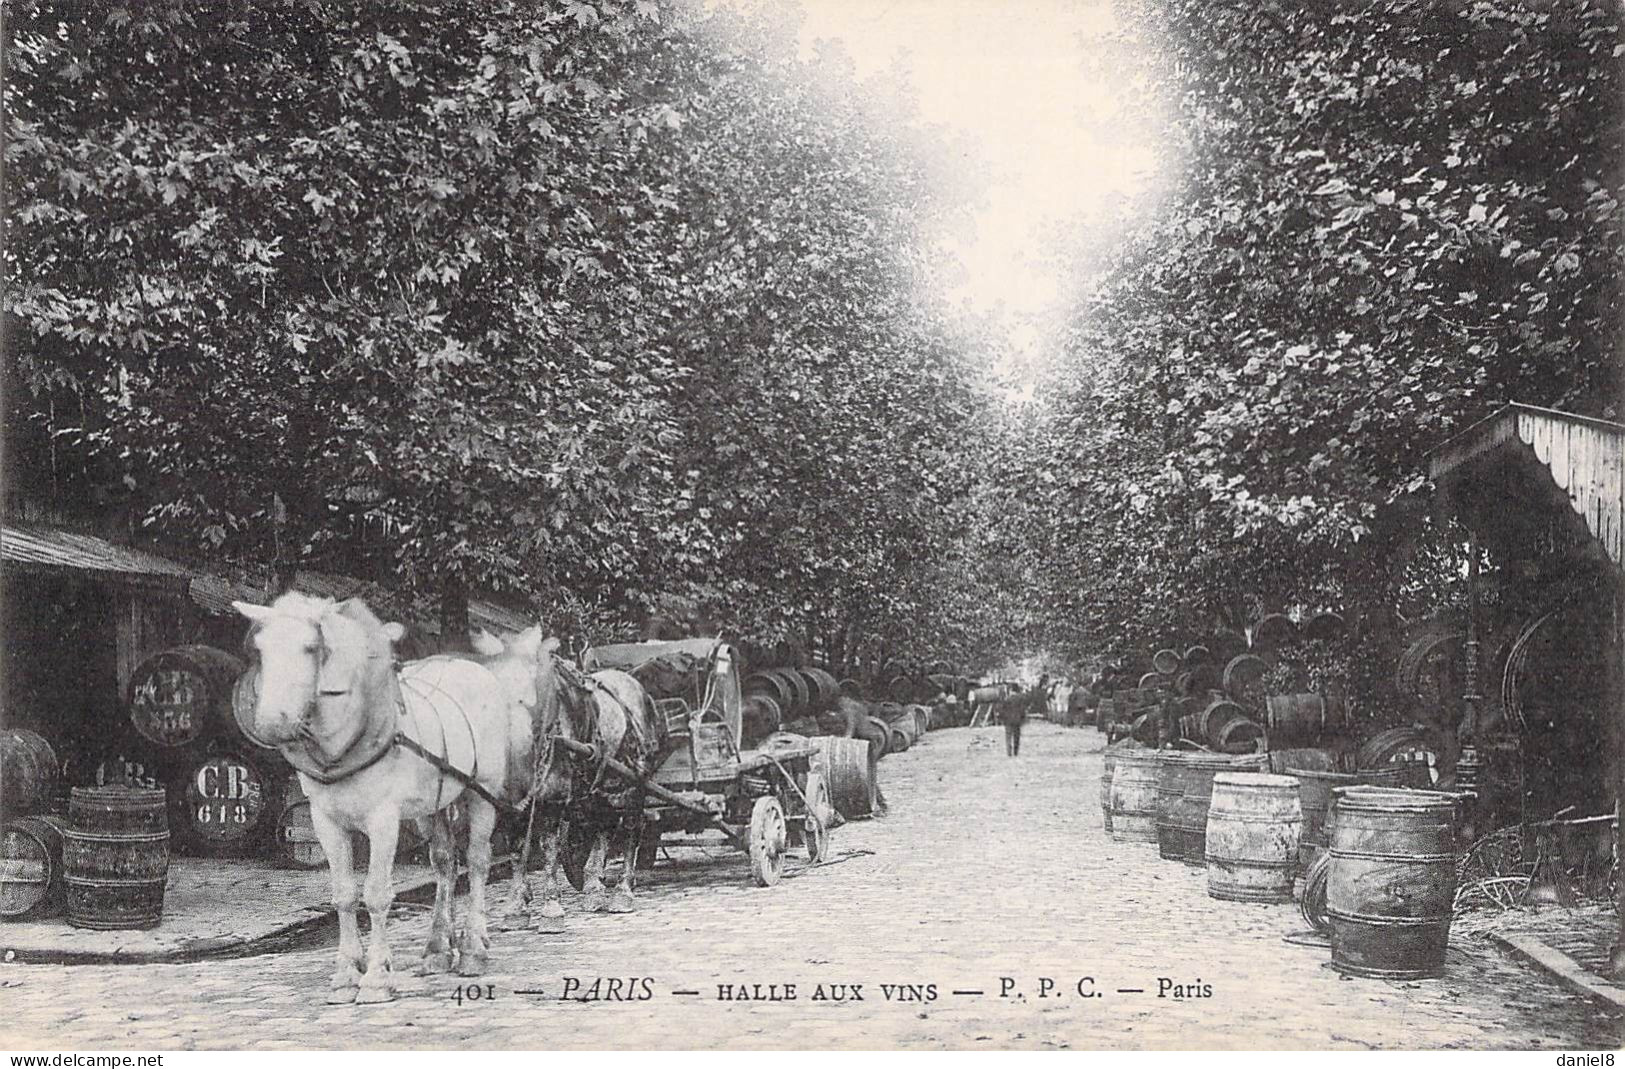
<point x="1227" y="818"/>
<point x="1134" y="812"/>
<point x="1252" y="862"/>
<point x="1373" y="855"/>
<point x="1401" y="922"/>
<point x="92" y="837"/>
<point x="88" y="881"/>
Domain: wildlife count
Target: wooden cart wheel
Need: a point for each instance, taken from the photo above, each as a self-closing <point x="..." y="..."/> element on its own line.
<point x="767" y="841"/>
<point x="815" y="835"/>
<point x="573" y="854"/>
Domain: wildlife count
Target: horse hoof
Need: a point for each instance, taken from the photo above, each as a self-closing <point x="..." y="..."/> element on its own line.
<point x="472" y="964"/>
<point x="366" y="995"/>
<point x="341" y="996"/>
<point x="548" y="924"/>
<point x="552" y="909"/>
<point x="511" y="922"/>
<point x="621" y="904"/>
<point x="596" y="902"/>
<point x="435" y="963"/>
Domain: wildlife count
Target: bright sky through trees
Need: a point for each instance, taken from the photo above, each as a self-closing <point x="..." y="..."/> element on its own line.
<point x="1014" y="75"/>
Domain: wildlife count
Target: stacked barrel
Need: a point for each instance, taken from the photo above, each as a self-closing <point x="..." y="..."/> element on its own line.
<point x="191" y="710"/>
<point x="31" y="865"/>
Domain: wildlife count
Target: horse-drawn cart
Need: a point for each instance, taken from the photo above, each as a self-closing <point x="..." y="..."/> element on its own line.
<point x="764" y="802"/>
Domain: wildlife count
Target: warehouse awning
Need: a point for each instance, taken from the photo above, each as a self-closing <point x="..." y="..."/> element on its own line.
<point x="1527" y="476"/>
<point x="214" y="593"/>
<point x="40" y="548"/>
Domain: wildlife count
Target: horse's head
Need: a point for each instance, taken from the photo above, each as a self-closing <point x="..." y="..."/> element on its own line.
<point x="319" y="661"/>
<point x="522" y="662"/>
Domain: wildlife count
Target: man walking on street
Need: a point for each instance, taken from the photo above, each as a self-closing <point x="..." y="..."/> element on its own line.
<point x="1013" y="711"/>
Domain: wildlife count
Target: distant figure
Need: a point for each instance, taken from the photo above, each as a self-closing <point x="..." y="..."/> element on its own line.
<point x="1013" y="711"/>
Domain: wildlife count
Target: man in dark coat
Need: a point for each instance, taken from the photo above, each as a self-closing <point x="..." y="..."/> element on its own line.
<point x="1013" y="711"/>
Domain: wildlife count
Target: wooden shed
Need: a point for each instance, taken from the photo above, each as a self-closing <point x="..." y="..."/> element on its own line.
<point x="81" y="613"/>
<point x="1544" y="490"/>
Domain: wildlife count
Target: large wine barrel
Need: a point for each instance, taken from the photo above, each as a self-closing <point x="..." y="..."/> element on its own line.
<point x="183" y="695"/>
<point x="1315" y="800"/>
<point x="115" y="855"/>
<point x="1226" y="727"/>
<point x="1134" y="797"/>
<point x="851" y="768"/>
<point x="823" y="686"/>
<point x="28" y="773"/>
<point x="1274" y="631"/>
<point x="878" y="734"/>
<point x="1165" y="661"/>
<point x="1303" y="717"/>
<point x="772" y="685"/>
<point x="1392" y="883"/>
<point x="1186" y="819"/>
<point x="796" y="686"/>
<point x="1253" y="825"/>
<point x="31" y="883"/>
<point x="228" y="804"/>
<point x="1242" y="676"/>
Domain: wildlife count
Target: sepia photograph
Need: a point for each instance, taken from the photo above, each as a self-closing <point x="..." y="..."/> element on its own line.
<point x="811" y="525"/>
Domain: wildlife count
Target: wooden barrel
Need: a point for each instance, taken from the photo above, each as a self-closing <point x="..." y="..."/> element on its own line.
<point x="183" y="695"/>
<point x="1172" y="772"/>
<point x="1253" y="826"/>
<point x="772" y="685"/>
<point x="823" y="686"/>
<point x="1392" y="883"/>
<point x="228" y="804"/>
<point x="115" y="855"/>
<point x="1134" y="797"/>
<point x="901" y="735"/>
<point x="1186" y="818"/>
<point x="31" y="883"/>
<point x="1226" y="727"/>
<point x="1315" y="800"/>
<point x="245" y="696"/>
<point x="1303" y="717"/>
<point x="802" y="693"/>
<point x="851" y="768"/>
<point x="878" y="734"/>
<point x="28" y="773"/>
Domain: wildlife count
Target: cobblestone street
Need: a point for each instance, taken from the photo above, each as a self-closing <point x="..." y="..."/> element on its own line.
<point x="985" y="868"/>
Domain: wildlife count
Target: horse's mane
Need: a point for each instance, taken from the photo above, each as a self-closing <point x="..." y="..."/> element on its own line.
<point x="301" y="606"/>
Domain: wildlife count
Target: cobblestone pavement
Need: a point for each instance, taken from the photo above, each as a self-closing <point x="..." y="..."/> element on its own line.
<point x="987" y="867"/>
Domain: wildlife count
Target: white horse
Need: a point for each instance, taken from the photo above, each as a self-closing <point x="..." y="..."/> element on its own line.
<point x="374" y="747"/>
<point x="608" y="709"/>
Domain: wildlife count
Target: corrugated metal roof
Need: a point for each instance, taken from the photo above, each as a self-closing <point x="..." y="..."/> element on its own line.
<point x="34" y="546"/>
<point x="216" y="593"/>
